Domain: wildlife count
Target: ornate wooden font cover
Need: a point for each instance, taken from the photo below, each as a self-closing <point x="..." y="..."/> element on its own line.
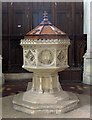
<point x="45" y="30"/>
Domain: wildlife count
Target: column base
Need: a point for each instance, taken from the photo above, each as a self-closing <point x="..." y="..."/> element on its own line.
<point x="87" y="72"/>
<point x="63" y="105"/>
<point x="87" y="79"/>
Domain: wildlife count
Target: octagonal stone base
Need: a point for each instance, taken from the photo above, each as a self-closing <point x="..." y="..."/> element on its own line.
<point x="66" y="104"/>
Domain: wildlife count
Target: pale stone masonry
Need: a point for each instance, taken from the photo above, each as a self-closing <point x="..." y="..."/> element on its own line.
<point x="87" y="72"/>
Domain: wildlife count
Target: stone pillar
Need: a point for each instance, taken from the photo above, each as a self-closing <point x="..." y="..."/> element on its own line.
<point x="87" y="73"/>
<point x="0" y="44"/>
<point x="45" y="82"/>
<point x="0" y="70"/>
<point x="1" y="74"/>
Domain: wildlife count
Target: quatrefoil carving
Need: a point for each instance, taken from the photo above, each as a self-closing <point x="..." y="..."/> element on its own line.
<point x="60" y="56"/>
<point x="30" y="56"/>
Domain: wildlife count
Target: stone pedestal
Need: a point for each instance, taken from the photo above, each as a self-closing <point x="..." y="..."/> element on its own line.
<point x="82" y="112"/>
<point x="55" y="103"/>
<point x="45" y="97"/>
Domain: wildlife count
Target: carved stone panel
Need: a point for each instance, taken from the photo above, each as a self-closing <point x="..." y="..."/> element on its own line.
<point x="29" y="56"/>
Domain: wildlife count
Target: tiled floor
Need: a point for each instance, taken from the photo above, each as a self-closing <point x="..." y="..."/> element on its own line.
<point x="12" y="87"/>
